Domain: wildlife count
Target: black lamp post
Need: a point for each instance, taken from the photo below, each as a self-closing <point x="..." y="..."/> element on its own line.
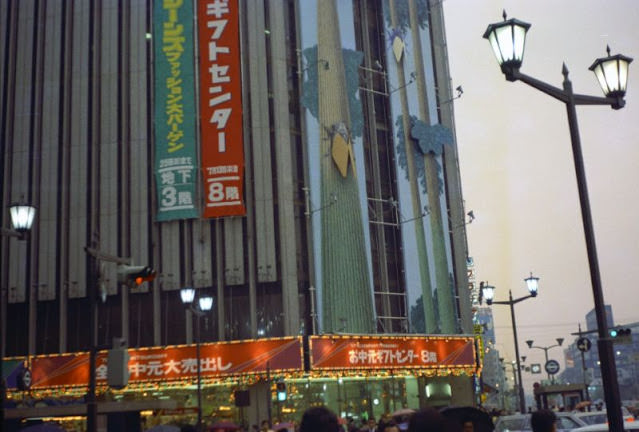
<point x="22" y="217"/>
<point x="560" y="341"/>
<point x="488" y="293"/>
<point x="516" y="382"/>
<point x="204" y="305"/>
<point x="508" y="40"/>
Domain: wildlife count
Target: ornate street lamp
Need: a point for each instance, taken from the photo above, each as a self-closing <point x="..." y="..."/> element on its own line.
<point x="187" y="295"/>
<point x="22" y="217"/>
<point x="204" y="305"/>
<point x="508" y="40"/>
<point x="612" y="73"/>
<point x="532" y="283"/>
<point x="488" y="293"/>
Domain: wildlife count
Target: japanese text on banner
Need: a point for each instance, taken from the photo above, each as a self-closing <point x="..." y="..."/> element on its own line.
<point x="175" y="156"/>
<point x="221" y="108"/>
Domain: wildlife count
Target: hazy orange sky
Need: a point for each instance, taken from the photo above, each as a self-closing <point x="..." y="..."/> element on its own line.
<point x="518" y="172"/>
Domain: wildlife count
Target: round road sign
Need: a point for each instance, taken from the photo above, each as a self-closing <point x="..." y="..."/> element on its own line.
<point x="584" y="344"/>
<point x="552" y="367"/>
<point x="24" y="379"/>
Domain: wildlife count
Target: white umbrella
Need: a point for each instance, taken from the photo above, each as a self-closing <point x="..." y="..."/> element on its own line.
<point x="403" y="412"/>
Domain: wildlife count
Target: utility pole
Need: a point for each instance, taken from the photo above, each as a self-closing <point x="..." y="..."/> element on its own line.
<point x="93" y="266"/>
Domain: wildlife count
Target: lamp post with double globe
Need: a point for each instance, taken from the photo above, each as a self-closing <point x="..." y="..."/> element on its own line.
<point x="199" y="309"/>
<point x="508" y="39"/>
<point x="488" y="293"/>
<point x="22" y="217"/>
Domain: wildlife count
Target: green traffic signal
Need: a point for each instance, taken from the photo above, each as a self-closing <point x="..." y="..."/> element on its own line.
<point x="620" y="334"/>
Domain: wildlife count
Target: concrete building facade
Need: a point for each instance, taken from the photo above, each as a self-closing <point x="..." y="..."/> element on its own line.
<point x="346" y="215"/>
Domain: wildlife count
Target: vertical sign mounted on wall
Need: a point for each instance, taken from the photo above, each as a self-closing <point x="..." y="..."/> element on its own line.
<point x="221" y="108"/>
<point x="174" y="120"/>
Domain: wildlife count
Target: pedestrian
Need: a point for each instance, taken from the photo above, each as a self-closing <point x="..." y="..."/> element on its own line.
<point x="387" y="426"/>
<point x="370" y="426"/>
<point x="468" y="425"/>
<point x="351" y="426"/>
<point x="266" y="426"/>
<point x="543" y="420"/>
<point x="319" y="419"/>
<point x="431" y="420"/>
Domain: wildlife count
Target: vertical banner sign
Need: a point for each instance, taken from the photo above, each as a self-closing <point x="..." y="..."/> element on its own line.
<point x="222" y="149"/>
<point x="175" y="151"/>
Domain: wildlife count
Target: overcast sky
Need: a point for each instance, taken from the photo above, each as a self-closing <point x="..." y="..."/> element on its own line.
<point x="518" y="173"/>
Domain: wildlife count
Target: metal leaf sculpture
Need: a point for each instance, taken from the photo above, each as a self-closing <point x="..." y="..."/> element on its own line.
<point x="352" y="60"/>
<point x="431" y="138"/>
<point x="436" y="136"/>
<point x="402" y="13"/>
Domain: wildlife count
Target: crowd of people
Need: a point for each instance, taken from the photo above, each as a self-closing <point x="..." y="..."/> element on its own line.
<point x="322" y="419"/>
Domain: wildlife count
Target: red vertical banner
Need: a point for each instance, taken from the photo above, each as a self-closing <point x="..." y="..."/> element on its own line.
<point x="222" y="151"/>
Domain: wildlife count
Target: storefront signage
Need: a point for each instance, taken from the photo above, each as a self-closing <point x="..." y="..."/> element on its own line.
<point x="339" y="352"/>
<point x="277" y="356"/>
<point x="221" y="108"/>
<point x="175" y="362"/>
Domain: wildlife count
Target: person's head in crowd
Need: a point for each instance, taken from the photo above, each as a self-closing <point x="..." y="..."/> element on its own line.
<point x="468" y="425"/>
<point x="388" y="426"/>
<point x="319" y="419"/>
<point x="430" y="420"/>
<point x="371" y="424"/>
<point x="543" y="420"/>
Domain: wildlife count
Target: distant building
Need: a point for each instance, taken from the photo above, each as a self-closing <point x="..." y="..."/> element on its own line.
<point x="591" y="319"/>
<point x="493" y="375"/>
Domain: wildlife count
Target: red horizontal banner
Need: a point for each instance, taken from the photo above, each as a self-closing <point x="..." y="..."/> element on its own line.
<point x="174" y="363"/>
<point x="353" y="352"/>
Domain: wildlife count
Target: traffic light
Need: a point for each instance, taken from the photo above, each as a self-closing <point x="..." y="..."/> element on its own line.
<point x="281" y="390"/>
<point x="620" y="335"/>
<point x="135" y="275"/>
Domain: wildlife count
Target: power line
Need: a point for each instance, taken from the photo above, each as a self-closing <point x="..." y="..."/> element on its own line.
<point x="547" y="325"/>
